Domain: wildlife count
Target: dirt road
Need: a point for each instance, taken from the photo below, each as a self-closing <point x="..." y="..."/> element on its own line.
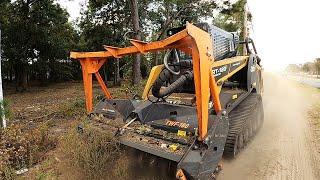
<point x="283" y="148"/>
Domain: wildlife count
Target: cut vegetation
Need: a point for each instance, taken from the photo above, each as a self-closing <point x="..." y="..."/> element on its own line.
<point x="42" y="141"/>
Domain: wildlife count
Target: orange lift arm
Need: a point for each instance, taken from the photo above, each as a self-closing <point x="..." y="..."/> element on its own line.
<point x="192" y="41"/>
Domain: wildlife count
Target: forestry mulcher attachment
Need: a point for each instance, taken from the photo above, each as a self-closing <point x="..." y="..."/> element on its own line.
<point x="203" y="102"/>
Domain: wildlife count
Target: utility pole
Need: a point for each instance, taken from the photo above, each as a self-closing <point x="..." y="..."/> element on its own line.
<point x="3" y="118"/>
<point x="245" y="25"/>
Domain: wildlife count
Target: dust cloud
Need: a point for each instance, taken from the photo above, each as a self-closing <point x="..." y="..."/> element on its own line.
<point x="283" y="148"/>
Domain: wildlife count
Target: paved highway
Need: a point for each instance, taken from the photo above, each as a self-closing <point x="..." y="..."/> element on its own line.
<point x="314" y="82"/>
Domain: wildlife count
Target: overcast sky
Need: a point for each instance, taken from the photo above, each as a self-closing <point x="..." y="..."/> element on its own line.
<point x="73" y="7"/>
<point x="285" y="31"/>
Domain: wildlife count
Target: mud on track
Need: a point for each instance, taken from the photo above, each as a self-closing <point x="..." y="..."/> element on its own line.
<point x="283" y="148"/>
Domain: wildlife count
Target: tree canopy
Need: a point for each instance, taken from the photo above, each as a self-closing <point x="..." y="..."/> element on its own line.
<point x="37" y="35"/>
<point x="312" y="68"/>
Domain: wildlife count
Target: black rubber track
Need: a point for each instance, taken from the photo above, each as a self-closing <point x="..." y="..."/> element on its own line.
<point x="245" y="121"/>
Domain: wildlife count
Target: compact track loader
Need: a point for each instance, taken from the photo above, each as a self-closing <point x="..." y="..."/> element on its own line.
<point x="203" y="102"/>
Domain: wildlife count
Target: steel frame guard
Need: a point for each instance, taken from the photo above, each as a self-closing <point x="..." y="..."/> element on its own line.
<point x="192" y="41"/>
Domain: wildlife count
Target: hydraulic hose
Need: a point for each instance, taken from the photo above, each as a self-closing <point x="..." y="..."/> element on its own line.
<point x="159" y="91"/>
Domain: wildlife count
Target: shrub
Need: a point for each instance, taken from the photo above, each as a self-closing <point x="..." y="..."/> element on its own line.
<point x="7" y="172"/>
<point x="21" y="147"/>
<point x="314" y="114"/>
<point x="95" y="155"/>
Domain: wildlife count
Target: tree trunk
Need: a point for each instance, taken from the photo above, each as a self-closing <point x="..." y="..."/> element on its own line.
<point x="52" y="72"/>
<point x="21" y="76"/>
<point x="245" y="26"/>
<point x="116" y="78"/>
<point x="16" y="77"/>
<point x="105" y="73"/>
<point x="11" y="74"/>
<point x="136" y="29"/>
<point x="154" y="59"/>
<point x="24" y="78"/>
<point x="116" y="81"/>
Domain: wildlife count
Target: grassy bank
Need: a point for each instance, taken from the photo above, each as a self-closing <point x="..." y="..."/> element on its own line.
<point x="314" y="116"/>
<point x="314" y="120"/>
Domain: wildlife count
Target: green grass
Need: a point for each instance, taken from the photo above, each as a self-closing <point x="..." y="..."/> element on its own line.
<point x="75" y="108"/>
